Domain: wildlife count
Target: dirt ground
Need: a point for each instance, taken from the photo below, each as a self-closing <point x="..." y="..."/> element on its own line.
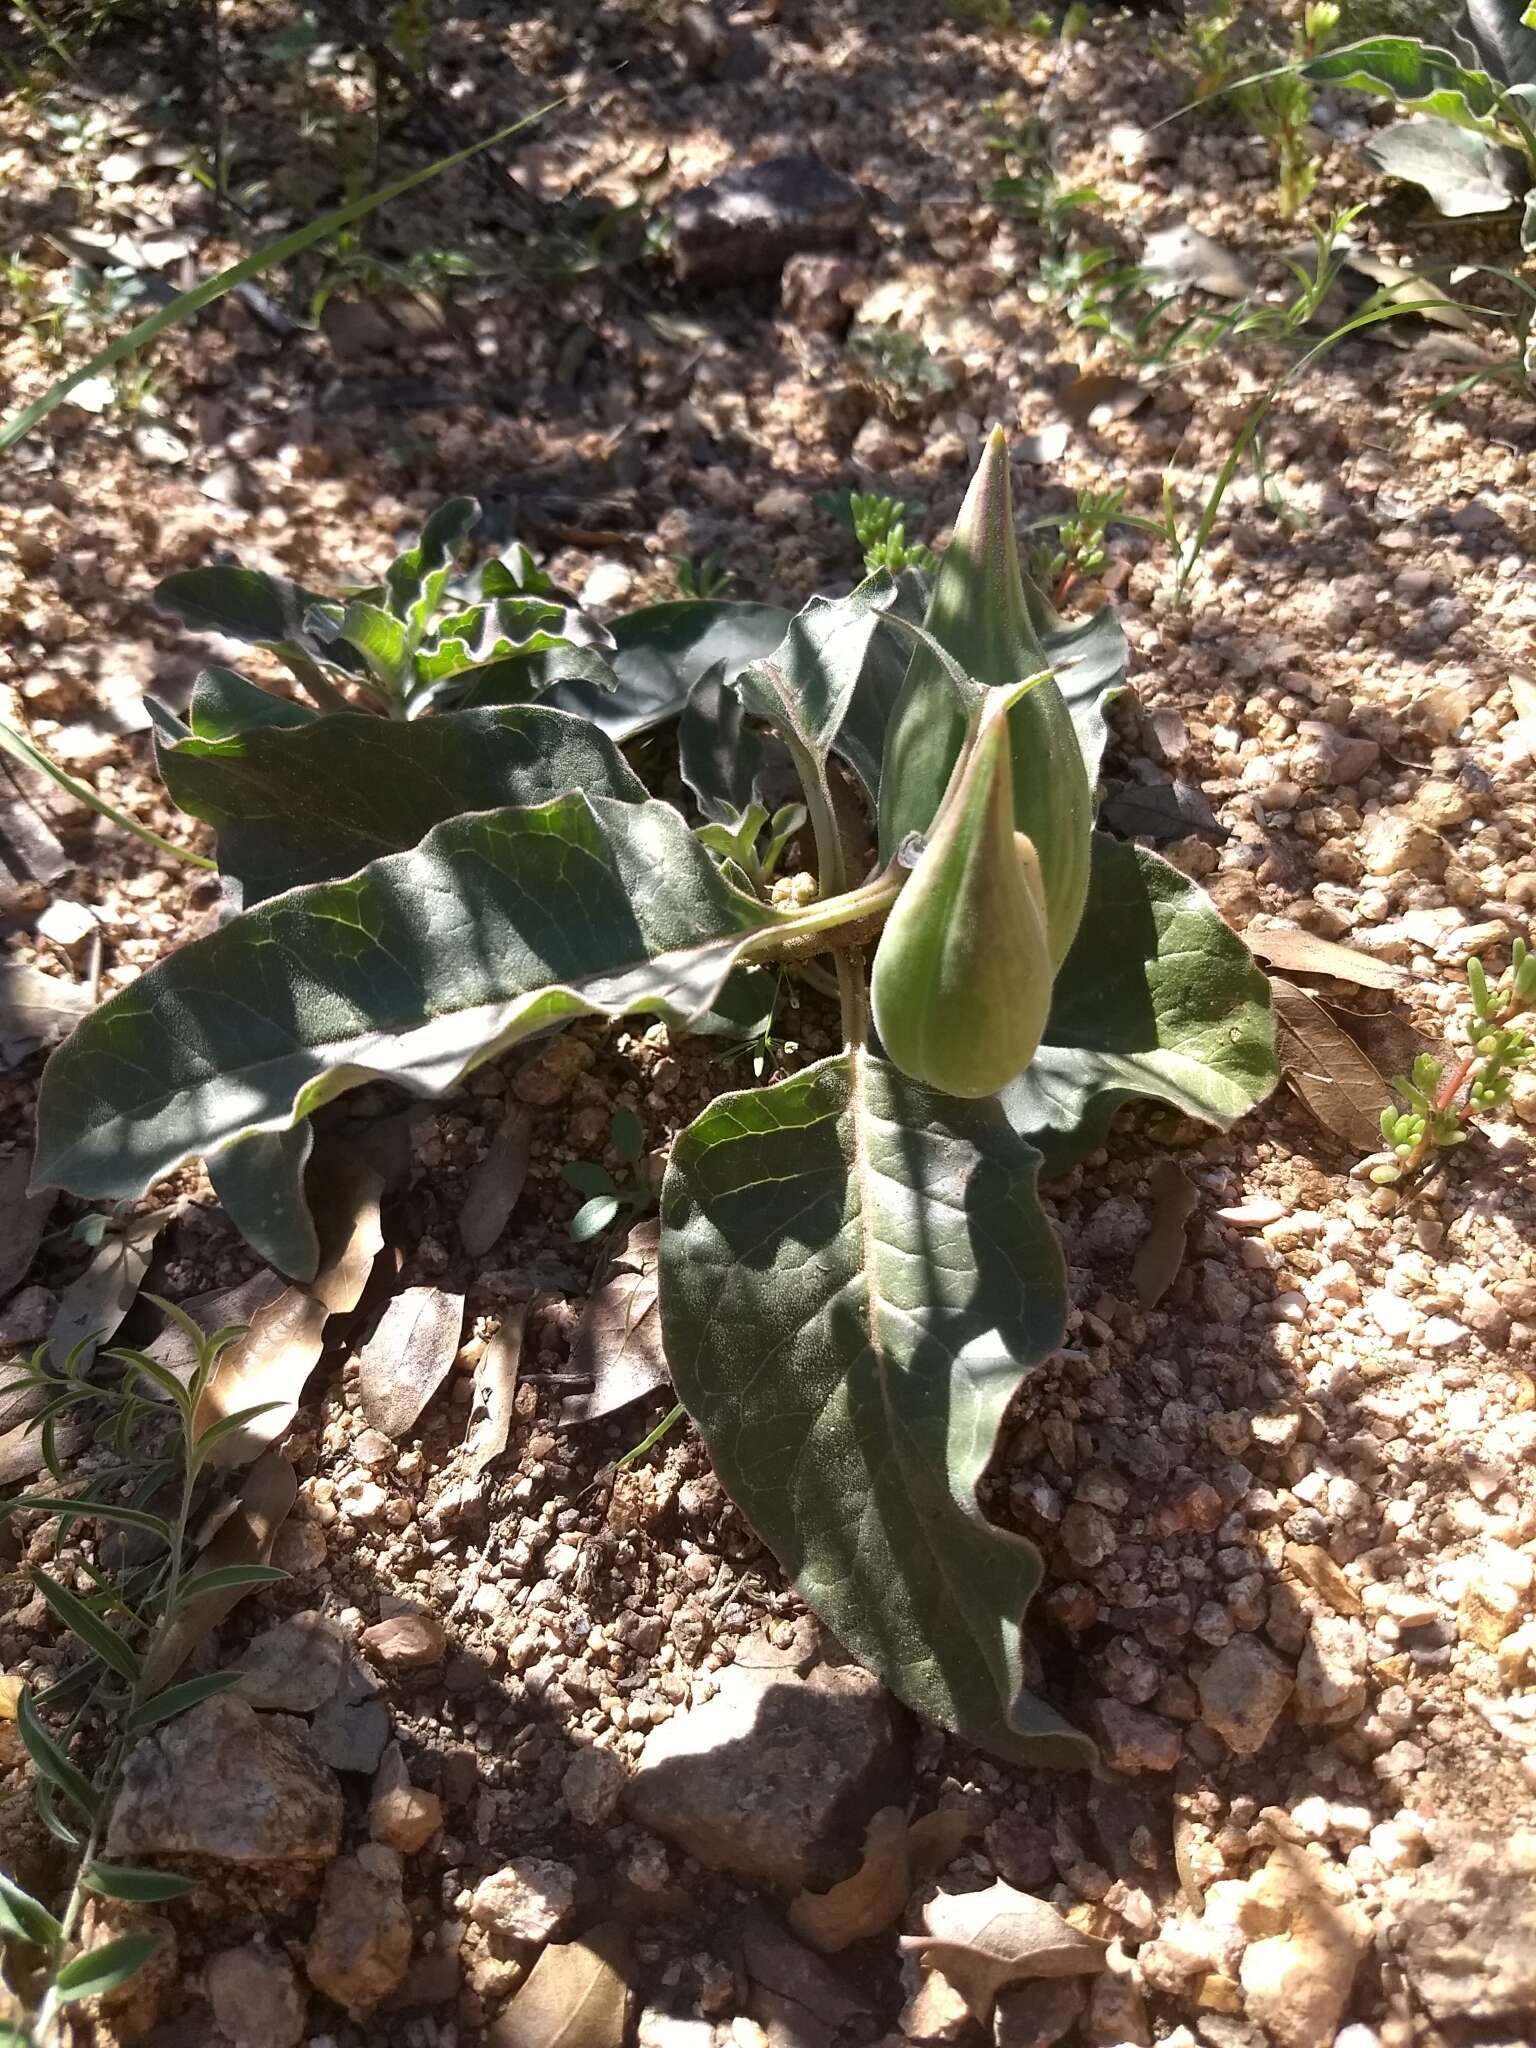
<point x="1288" y="1511"/>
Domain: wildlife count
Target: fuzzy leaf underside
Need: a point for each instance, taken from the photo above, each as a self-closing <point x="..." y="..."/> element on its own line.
<point x="497" y="925"/>
<point x="320" y="800"/>
<point x="1159" y="997"/>
<point x="856" y="1273"/>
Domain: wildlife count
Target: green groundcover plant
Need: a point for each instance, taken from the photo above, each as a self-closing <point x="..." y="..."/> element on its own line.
<point x="450" y="853"/>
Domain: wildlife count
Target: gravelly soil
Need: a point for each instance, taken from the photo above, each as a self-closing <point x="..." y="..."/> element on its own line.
<point x="1299" y="1488"/>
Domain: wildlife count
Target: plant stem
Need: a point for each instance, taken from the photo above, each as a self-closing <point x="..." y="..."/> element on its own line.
<point x="22" y="749"/>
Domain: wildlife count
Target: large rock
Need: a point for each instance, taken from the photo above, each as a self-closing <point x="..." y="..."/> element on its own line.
<point x="776" y="1776"/>
<point x="226" y="1783"/>
<point x="257" y="1999"/>
<point x="294" y="1667"/>
<point x="745" y="223"/>
<point x="1464" y="1925"/>
<point x="1242" y="1691"/>
<point x="362" y="1940"/>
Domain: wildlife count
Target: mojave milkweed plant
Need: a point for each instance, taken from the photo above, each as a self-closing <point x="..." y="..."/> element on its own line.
<point x="447" y="852"/>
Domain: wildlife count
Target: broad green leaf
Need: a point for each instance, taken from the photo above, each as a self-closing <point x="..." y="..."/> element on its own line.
<point x="140" y="1887"/>
<point x="259" y="1181"/>
<point x="511" y="638"/>
<point x="100" y="1970"/>
<point x="283" y="250"/>
<point x="662" y="650"/>
<point x="379" y="638"/>
<point x="265" y="611"/>
<point x="418" y="969"/>
<point x="1089" y="657"/>
<point x="1462" y="172"/>
<point x="1158" y="997"/>
<point x="719" y="756"/>
<point x="1500" y="31"/>
<point x="805" y="687"/>
<point x="225" y="703"/>
<point x="83" y="1621"/>
<point x="587" y="1177"/>
<point x="49" y="1760"/>
<point x="1429" y="80"/>
<point x="855" y="1275"/>
<point x="176" y="1699"/>
<point x="22" y="1916"/>
<point x="321" y="801"/>
<point x="417" y="579"/>
<point x="224" y="1578"/>
<point x="87" y="1509"/>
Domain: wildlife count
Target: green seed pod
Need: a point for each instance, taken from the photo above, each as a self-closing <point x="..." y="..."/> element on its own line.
<point x="961" y="984"/>
<point x="979" y="615"/>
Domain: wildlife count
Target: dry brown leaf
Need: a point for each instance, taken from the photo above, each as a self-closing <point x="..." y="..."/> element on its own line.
<point x="491" y="1408"/>
<point x="984" y="1940"/>
<point x="282" y="1346"/>
<point x="1295" y="951"/>
<point x="1327" y="1069"/>
<point x="23" y="1219"/>
<point x="618" y="1340"/>
<point x="496" y="1184"/>
<point x="244" y="1537"/>
<point x="576" y="1996"/>
<point x="1315" y="1568"/>
<point x="898" y="1856"/>
<point x="1100" y="395"/>
<point x="409" y="1355"/>
<point x="1161" y="1252"/>
<point x="92" y="1307"/>
<point x="35" y="1008"/>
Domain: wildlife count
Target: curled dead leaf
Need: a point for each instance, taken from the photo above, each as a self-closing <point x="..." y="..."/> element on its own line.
<point x="245" y="1536"/>
<point x="496" y="1184"/>
<point x="618" y="1340"/>
<point x="576" y="1996"/>
<point x="409" y="1355"/>
<point x="1161" y="1252"/>
<point x="984" y="1940"/>
<point x="93" y="1306"/>
<point x="898" y="1856"/>
<point x="1295" y="951"/>
<point x="23" y="1219"/>
<point x="1327" y="1069"/>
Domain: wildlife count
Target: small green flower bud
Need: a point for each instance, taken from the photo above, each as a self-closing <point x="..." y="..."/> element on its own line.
<point x="961" y="984"/>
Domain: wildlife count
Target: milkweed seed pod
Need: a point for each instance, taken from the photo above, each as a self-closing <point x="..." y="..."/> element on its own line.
<point x="979" y="615"/>
<point x="961" y="984"/>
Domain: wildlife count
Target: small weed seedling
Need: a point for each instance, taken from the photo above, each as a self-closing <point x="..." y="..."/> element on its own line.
<point x="900" y="372"/>
<point x="607" y="1198"/>
<point x="1444" y="1101"/>
<point x="879" y="524"/>
<point x="704" y="576"/>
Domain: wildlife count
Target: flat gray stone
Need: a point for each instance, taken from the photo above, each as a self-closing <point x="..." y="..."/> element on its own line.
<point x="777" y="1776"/>
<point x="748" y="221"/>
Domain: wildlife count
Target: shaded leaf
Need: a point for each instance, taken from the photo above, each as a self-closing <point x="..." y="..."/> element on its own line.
<point x="139" y="1887"/>
<point x="408" y="1357"/>
<point x="22" y="1916"/>
<point x="1162" y="811"/>
<point x="245" y="1537"/>
<point x="314" y="803"/>
<point x="662" y="650"/>
<point x="35" y="1009"/>
<point x="49" y="1760"/>
<point x="1295" y="951"/>
<point x="420" y="968"/>
<point x="1161" y="1252"/>
<point x="176" y="1699"/>
<point x="225" y="704"/>
<point x="1158" y="997"/>
<point x="23" y="1219"/>
<point x="82" y="1621"/>
<point x="259" y="1181"/>
<point x="227" y="1578"/>
<point x="100" y="1970"/>
<point x="719" y="755"/>
<point x="496" y="1183"/>
<point x="1462" y="172"/>
<point x="618" y="1339"/>
<point x="856" y="1273"/>
<point x="576" y="1995"/>
<point x="92" y="1307"/>
<point x="1326" y="1068"/>
<point x="984" y="1940"/>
